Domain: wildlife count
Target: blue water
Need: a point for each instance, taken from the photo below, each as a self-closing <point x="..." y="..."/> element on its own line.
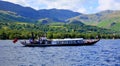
<point x="103" y="53"/>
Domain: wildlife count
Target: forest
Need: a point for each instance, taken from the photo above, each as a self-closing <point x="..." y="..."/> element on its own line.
<point x="21" y="30"/>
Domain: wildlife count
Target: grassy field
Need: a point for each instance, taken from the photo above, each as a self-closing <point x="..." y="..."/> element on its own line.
<point x="113" y="24"/>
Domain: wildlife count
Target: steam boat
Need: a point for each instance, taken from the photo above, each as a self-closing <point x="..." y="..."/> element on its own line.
<point x="43" y="42"/>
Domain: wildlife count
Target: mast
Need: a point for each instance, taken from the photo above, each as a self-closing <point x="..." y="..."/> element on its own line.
<point x="32" y="36"/>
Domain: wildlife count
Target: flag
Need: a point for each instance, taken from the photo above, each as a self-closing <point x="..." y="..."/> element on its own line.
<point x="15" y="40"/>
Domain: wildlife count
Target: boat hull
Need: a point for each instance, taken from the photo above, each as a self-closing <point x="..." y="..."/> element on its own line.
<point x="47" y="45"/>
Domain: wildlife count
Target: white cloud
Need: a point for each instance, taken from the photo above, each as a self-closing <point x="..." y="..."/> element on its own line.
<point x="81" y="10"/>
<point x="21" y="2"/>
<point x="108" y="5"/>
<point x="82" y="6"/>
<point x="74" y="5"/>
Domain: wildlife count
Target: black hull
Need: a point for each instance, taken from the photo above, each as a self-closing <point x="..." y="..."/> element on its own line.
<point x="48" y="45"/>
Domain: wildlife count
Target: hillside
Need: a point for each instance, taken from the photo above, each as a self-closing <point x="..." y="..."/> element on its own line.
<point x="19" y="21"/>
<point x="7" y="16"/>
<point x="106" y="19"/>
<point x="22" y="11"/>
<point x="58" y="15"/>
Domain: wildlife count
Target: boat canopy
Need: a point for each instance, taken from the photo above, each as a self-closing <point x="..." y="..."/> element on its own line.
<point x="67" y="39"/>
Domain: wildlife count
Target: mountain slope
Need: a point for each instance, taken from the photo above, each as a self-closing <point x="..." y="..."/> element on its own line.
<point x="22" y="11"/>
<point x="106" y="19"/>
<point x="10" y="12"/>
<point x="7" y="16"/>
<point x="59" y="15"/>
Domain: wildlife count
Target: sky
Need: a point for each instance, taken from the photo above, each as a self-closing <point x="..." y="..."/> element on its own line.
<point x="82" y="6"/>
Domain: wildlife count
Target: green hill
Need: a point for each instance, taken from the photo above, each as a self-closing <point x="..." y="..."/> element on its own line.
<point x="7" y="16"/>
<point x="106" y="19"/>
<point x="59" y="15"/>
<point x="19" y="21"/>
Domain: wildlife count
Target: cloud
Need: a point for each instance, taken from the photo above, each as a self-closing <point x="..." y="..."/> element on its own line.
<point x="82" y="6"/>
<point x="20" y="2"/>
<point x="108" y="5"/>
<point x="74" y="5"/>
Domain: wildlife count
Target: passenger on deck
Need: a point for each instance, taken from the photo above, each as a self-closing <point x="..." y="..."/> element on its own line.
<point x="31" y="40"/>
<point x="39" y="41"/>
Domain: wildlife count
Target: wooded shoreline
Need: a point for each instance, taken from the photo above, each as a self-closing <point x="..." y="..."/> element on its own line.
<point x="51" y="35"/>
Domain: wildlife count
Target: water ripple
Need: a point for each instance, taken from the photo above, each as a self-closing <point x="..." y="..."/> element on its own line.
<point x="104" y="53"/>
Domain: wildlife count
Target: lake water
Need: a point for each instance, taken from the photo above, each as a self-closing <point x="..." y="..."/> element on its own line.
<point x="103" y="53"/>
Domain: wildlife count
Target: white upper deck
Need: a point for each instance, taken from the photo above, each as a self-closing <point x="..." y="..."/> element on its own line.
<point x="67" y="39"/>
